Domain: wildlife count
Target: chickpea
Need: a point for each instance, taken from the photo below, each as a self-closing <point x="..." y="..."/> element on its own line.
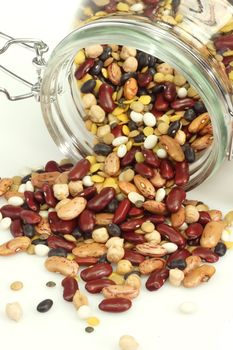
<point x="134" y="281"/>
<point x="115" y="242"/>
<point x="130" y="64"/>
<point x="89" y="100"/>
<point x="100" y="235"/>
<point x="75" y="187"/>
<point x="154" y="236"/>
<point x="94" y="51"/>
<point x="124" y="266"/>
<point x="60" y="191"/>
<point x="115" y="254"/>
<point x="127" y="52"/>
<point x="127" y="342"/>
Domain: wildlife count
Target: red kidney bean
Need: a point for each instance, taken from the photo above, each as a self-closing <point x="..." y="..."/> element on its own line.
<point x="66" y="167"/>
<point x="96" y="286"/>
<point x="52" y="166"/>
<point x="161" y="104"/>
<point x="11" y="211"/>
<point x="150" y="158"/>
<point x="122" y="211"/>
<point x="194" y="230"/>
<point x="30" y="217"/>
<point x="206" y="254"/>
<point x="156" y="219"/>
<point x="181" y="173"/>
<point x="180" y="105"/>
<point x="101" y="200"/>
<point x="224" y="42"/>
<point x="100" y="270"/>
<point x="88" y="192"/>
<point x="136" y="211"/>
<point x="171" y="234"/>
<point x="79" y="170"/>
<point x="16" y="228"/>
<point x="84" y="68"/>
<point x="175" y="199"/>
<point x="156" y="113"/>
<point x="204" y="217"/>
<point x="86" y="221"/>
<point x="170" y="92"/>
<point x="151" y="2"/>
<point x="70" y="286"/>
<point x="59" y="242"/>
<point x="30" y="200"/>
<point x="86" y="261"/>
<point x="49" y="196"/>
<point x="144" y="79"/>
<point x="111" y="7"/>
<point x="134" y="257"/>
<point x="115" y="305"/>
<point x="157" y="279"/>
<point x="144" y="170"/>
<point x="60" y="226"/>
<point x="129" y="158"/>
<point x="105" y="98"/>
<point x="180" y="254"/>
<point x="134" y="238"/>
<point x="117" y="131"/>
<point x="39" y="196"/>
<point x="227" y="60"/>
<point x="131" y="224"/>
<point x="166" y="169"/>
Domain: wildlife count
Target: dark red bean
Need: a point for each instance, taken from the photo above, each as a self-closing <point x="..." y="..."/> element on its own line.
<point x="115" y="305"/>
<point x="70" y="286"/>
<point x="227" y="60"/>
<point x="166" y="169"/>
<point x="11" y="211"/>
<point x="170" y="92"/>
<point x="39" y="196"/>
<point x="86" y="221"/>
<point x="175" y="199"/>
<point x="132" y="224"/>
<point x="129" y="158"/>
<point x="52" y="166"/>
<point x="206" y="254"/>
<point x="122" y="211"/>
<point x="178" y="255"/>
<point x="59" y="242"/>
<point x="194" y="230"/>
<point x="180" y="105"/>
<point x="150" y="11"/>
<point x="135" y="212"/>
<point x="101" y="200"/>
<point x="193" y="242"/>
<point x="204" y="217"/>
<point x="79" y="170"/>
<point x="60" y="226"/>
<point x="224" y="42"/>
<point x="96" y="286"/>
<point x="161" y="104"/>
<point x="16" y="228"/>
<point x="144" y="170"/>
<point x="151" y="2"/>
<point x="157" y="279"/>
<point x="89" y="261"/>
<point x="105" y="98"/>
<point x="111" y="7"/>
<point x="100" y="270"/>
<point x="49" y="196"/>
<point x="171" y="234"/>
<point x="117" y="131"/>
<point x="150" y="158"/>
<point x="31" y="201"/>
<point x="156" y="219"/>
<point x="133" y="237"/>
<point x="144" y="79"/>
<point x="84" y="68"/>
<point x="88" y="192"/>
<point x="66" y="167"/>
<point x="30" y="217"/>
<point x="181" y="173"/>
<point x="134" y="257"/>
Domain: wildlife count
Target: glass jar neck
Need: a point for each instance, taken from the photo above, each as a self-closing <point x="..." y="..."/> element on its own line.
<point x="60" y="101"/>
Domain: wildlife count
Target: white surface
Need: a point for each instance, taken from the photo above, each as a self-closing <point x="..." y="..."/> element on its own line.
<point x="154" y="319"/>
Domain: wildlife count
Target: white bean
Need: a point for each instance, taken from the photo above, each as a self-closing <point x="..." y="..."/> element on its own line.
<point x="188" y="307"/>
<point x="137" y="7"/>
<point x="161" y="153"/>
<point x="16" y="201"/>
<point x="170" y="247"/>
<point x="5" y="223"/>
<point x="149" y="119"/>
<point x="182" y="92"/>
<point x="127" y="342"/>
<point x="29" y="186"/>
<point x="135" y="197"/>
<point x="84" y="312"/>
<point x="87" y="181"/>
<point x="119" y="141"/>
<point x="122" y="150"/>
<point x="22" y="188"/>
<point x="14" y="311"/>
<point x="160" y="195"/>
<point x="136" y="117"/>
<point x="151" y="141"/>
<point x="41" y="250"/>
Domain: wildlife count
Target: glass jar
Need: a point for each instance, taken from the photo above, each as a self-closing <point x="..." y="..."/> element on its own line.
<point x="185" y="34"/>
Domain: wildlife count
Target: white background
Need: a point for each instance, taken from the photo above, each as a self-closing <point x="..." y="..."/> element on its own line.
<point x="154" y="320"/>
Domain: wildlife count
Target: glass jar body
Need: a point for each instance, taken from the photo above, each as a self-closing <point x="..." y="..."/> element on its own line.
<point x="187" y="46"/>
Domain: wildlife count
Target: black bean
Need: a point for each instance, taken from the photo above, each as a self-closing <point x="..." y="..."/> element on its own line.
<point x="113" y="230"/>
<point x="106" y="53"/>
<point x="89" y="329"/>
<point x="39" y="241"/>
<point x="175" y="6"/>
<point x="26" y="178"/>
<point x="45" y="305"/>
<point x="112" y="206"/>
<point x="177" y="264"/>
<point x="157" y="89"/>
<point x="88" y="86"/>
<point x="152" y="71"/>
<point x="29" y="230"/>
<point x="103" y="259"/>
<point x="173" y="128"/>
<point x="152" y="61"/>
<point x="220" y="249"/>
<point x="77" y="234"/>
<point x="130" y="273"/>
<point x="194" y="242"/>
<point x="199" y="107"/>
<point x="127" y="76"/>
<point x="190" y="115"/>
<point x="143" y="59"/>
<point x="58" y="252"/>
<point x="139" y="138"/>
<point x="142" y="91"/>
<point x="96" y="69"/>
<point x="132" y="125"/>
<point x="102" y="149"/>
<point x="87" y="235"/>
<point x="189" y="153"/>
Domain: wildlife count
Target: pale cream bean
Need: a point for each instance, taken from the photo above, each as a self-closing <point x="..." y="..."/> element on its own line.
<point x="154" y="236"/>
<point x="89" y="100"/>
<point x="94" y="51"/>
<point x="127" y="52"/>
<point x="130" y="64"/>
<point x="75" y="187"/>
<point x="97" y="114"/>
<point x="176" y="277"/>
<point x="127" y="342"/>
<point x="14" y="311"/>
<point x="60" y="191"/>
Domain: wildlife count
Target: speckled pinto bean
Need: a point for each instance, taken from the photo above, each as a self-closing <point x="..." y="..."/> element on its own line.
<point x="15" y="245"/>
<point x="59" y="242"/>
<point x="122" y="211"/>
<point x="101" y="200"/>
<point x="200" y="274"/>
<point x="181" y="173"/>
<point x="16" y="228"/>
<point x="157" y="279"/>
<point x="100" y="270"/>
<point x="31" y="201"/>
<point x="70" y="286"/>
<point x="105" y="98"/>
<point x="96" y="286"/>
<point x="206" y="254"/>
<point x="150" y="158"/>
<point x="115" y="305"/>
<point x="79" y="170"/>
<point x="171" y="234"/>
<point x="86" y="221"/>
<point x="11" y="212"/>
<point x="175" y="199"/>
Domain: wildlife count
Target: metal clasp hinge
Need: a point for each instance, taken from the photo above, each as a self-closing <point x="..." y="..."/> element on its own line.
<point x="40" y="48"/>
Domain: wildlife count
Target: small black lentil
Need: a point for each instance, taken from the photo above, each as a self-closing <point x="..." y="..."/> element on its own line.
<point x="220" y="249"/>
<point x="44" y="305"/>
<point x="193" y="242"/>
<point x="87" y="235"/>
<point x="152" y="71"/>
<point x="142" y="91"/>
<point x="89" y="329"/>
<point x="179" y="264"/>
<point x="29" y="230"/>
<point x="102" y="149"/>
<point x="58" y="252"/>
<point x="77" y="234"/>
<point x="173" y="128"/>
<point x="152" y="61"/>
<point x="113" y="230"/>
<point x="88" y="86"/>
<point x="50" y="284"/>
<point x="39" y="241"/>
<point x="190" y="115"/>
<point x="96" y="69"/>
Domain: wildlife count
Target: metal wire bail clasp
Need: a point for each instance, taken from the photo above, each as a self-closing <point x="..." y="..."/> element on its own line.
<point x="40" y="48"/>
